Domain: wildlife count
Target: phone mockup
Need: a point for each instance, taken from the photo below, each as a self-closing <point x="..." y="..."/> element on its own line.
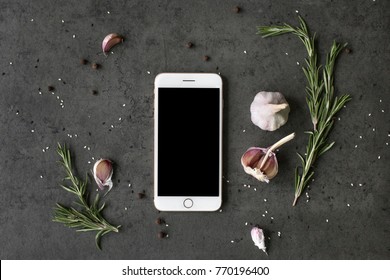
<point x="188" y="142"/>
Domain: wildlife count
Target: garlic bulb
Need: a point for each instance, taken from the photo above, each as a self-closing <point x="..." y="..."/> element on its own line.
<point x="262" y="163"/>
<point x="102" y="172"/>
<point x="258" y="238"/>
<point x="269" y="110"/>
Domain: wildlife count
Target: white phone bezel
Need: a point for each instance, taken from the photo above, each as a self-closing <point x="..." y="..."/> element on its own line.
<point x="186" y="80"/>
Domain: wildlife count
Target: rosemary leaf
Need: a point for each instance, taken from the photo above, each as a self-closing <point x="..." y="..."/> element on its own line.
<point x="320" y="99"/>
<point x="89" y="217"/>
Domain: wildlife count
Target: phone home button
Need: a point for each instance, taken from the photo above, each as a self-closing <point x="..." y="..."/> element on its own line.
<point x="188" y="203"/>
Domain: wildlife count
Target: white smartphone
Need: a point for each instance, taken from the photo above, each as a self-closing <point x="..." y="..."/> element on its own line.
<point x="188" y="142"/>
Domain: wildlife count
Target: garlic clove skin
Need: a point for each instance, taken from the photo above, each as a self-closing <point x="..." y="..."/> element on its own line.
<point x="252" y="159"/>
<point x="102" y="173"/>
<point x="110" y="41"/>
<point x="269" y="110"/>
<point x="258" y="238"/>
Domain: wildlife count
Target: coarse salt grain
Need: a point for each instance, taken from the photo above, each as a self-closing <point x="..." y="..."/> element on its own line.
<point x="360" y="137"/>
<point x="244" y="51"/>
<point x="220" y="210"/>
<point x="360" y="185"/>
<point x="40" y="92"/>
<point x="32" y="130"/>
<point x="348" y="205"/>
<point x="85" y="147"/>
<point x="266" y="212"/>
<point x="243" y="130"/>
<point x="286" y="53"/>
<point x="255" y="189"/>
<point x="43" y="150"/>
<point x="296" y="11"/>
<point x="125" y="208"/>
<point x="59" y="79"/>
<point x="89" y="162"/>
<point x="246" y="223"/>
<point x="227" y="181"/>
<point x="74" y="36"/>
<point x="352" y="184"/>
<point x="148" y="72"/>
<point x="41" y="177"/>
<point x="120" y="119"/>
<point x="265" y="200"/>
<point x="47" y="148"/>
<point x="124" y="105"/>
<point x="327" y="220"/>
<point x="369" y="114"/>
<point x="232" y="241"/>
<point x="387" y="144"/>
<point x="32" y="19"/>
<point x="108" y="12"/>
<point x="263" y="215"/>
<point x="129" y="185"/>
<point x="10" y="62"/>
<point x="166" y="225"/>
<point x="89" y="148"/>
<point x="62" y="21"/>
<point x="272" y="218"/>
<point x="112" y="126"/>
<point x="297" y="63"/>
<point x="279" y="233"/>
<point x="356" y="146"/>
<point x="383" y="111"/>
<point x="379" y="157"/>
<point x="373" y="129"/>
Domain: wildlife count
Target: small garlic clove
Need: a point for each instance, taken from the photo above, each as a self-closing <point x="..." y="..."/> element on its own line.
<point x="269" y="110"/>
<point x="258" y="238"/>
<point x="102" y="173"/>
<point x="110" y="41"/>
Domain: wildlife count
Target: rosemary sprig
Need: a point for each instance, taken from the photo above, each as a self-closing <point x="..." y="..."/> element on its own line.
<point x="89" y="218"/>
<point x="320" y="99"/>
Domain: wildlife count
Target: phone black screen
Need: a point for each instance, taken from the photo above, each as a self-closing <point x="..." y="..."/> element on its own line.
<point x="188" y="141"/>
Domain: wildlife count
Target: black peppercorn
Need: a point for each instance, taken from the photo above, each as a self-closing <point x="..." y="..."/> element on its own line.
<point x="161" y="235"/>
<point x="160" y="221"/>
<point x="50" y="88"/>
<point x="206" y="58"/>
<point x="347" y="50"/>
<point x="83" y="61"/>
<point x="94" y="92"/>
<point x="189" y="45"/>
<point x="95" y="65"/>
<point x="141" y="195"/>
<point x="236" y="9"/>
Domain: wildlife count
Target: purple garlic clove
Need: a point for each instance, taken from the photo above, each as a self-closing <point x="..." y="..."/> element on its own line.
<point x="258" y="238"/>
<point x="102" y="172"/>
<point x="262" y="163"/>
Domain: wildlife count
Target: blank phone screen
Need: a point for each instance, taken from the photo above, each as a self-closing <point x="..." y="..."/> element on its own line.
<point x="188" y="141"/>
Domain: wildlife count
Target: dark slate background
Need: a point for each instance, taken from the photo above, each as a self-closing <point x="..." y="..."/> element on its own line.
<point x="38" y="49"/>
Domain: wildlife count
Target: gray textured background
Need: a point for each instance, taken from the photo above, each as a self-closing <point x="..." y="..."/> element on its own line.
<point x="42" y="50"/>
